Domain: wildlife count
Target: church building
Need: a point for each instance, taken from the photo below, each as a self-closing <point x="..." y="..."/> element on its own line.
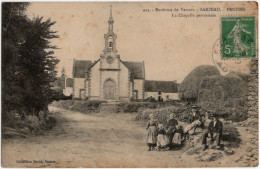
<point x="109" y="77"/>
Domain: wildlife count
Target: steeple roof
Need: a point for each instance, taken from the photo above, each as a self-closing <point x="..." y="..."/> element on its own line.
<point x="111" y="17"/>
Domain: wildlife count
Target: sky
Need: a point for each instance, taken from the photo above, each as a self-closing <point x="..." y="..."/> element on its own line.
<point x="170" y="47"/>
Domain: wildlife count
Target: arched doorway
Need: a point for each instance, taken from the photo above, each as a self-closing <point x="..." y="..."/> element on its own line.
<point x="109" y="89"/>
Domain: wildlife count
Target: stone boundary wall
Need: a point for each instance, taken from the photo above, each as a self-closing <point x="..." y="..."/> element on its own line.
<point x="253" y="89"/>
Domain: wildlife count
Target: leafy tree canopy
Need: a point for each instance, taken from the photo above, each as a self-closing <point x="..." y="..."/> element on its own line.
<point x="28" y="64"/>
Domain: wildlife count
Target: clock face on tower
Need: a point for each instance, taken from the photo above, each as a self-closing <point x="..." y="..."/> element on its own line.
<point x="110" y="59"/>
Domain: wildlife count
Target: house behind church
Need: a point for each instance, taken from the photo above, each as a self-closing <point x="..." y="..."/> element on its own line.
<point x="68" y="89"/>
<point x="167" y="90"/>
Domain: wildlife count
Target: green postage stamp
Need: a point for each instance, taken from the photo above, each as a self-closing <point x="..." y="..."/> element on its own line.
<point x="238" y="37"/>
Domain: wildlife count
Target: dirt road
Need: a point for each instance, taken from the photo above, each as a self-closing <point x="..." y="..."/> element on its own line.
<point x="91" y="140"/>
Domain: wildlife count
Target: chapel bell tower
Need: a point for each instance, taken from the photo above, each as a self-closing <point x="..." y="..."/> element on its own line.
<point x="109" y="58"/>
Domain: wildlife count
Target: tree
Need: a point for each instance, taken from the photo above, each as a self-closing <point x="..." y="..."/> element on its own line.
<point x="28" y="64"/>
<point x="12" y="36"/>
<point x="63" y="72"/>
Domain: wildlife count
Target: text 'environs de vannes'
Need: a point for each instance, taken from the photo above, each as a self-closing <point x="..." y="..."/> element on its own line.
<point x="199" y="9"/>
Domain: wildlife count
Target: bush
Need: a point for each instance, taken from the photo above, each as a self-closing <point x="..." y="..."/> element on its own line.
<point x="64" y="104"/>
<point x="153" y="105"/>
<point x="131" y="107"/>
<point x="95" y="103"/>
<point x="237" y="116"/>
<point x="23" y="128"/>
<point x="79" y="105"/>
<point x="162" y="114"/>
<point x="76" y="99"/>
<point x="233" y="114"/>
<point x="150" y="99"/>
<point x="50" y="123"/>
<point x="135" y="106"/>
<point x="12" y="121"/>
<point x="231" y="135"/>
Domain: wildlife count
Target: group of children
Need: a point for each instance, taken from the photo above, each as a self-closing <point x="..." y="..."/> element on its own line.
<point x="159" y="137"/>
<point x="163" y="140"/>
<point x="172" y="135"/>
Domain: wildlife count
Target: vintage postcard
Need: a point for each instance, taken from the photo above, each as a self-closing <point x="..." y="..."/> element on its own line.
<point x="129" y="84"/>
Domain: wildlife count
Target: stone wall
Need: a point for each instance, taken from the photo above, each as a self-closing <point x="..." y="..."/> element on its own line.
<point x="253" y="89"/>
<point x="250" y="159"/>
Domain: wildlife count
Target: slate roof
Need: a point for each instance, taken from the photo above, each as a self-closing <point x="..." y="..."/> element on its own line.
<point x="162" y="86"/>
<point x="69" y="82"/>
<point x="137" y="68"/>
<point x="80" y="67"/>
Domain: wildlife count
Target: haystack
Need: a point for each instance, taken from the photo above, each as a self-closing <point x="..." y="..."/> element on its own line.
<point x="218" y="92"/>
<point x="238" y="75"/>
<point x="189" y="88"/>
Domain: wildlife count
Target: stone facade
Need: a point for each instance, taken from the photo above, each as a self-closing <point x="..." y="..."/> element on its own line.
<point x="251" y="156"/>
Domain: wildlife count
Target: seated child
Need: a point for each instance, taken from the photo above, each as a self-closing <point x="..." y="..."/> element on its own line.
<point x="178" y="136"/>
<point x="162" y="140"/>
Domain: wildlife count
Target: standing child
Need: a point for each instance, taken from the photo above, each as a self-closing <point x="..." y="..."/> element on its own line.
<point x="162" y="140"/>
<point x="152" y="132"/>
<point x="178" y="136"/>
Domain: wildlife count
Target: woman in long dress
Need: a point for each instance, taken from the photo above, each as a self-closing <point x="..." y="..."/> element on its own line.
<point x="152" y="132"/>
<point x="171" y="127"/>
